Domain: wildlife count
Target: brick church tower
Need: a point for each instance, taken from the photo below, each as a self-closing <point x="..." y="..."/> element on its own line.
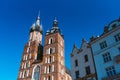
<point x="32" y="55"/>
<point x="53" y="60"/>
<point x="47" y="64"/>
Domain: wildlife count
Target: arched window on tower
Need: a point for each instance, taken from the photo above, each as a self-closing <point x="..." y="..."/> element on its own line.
<point x="50" y="41"/>
<point x="51" y="50"/>
<point x="48" y="77"/>
<point x="37" y="73"/>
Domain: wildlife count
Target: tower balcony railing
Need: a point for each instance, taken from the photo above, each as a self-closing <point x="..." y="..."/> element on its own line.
<point x="117" y="59"/>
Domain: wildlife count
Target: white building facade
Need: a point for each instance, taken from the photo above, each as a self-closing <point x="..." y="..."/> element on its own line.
<point x="82" y="65"/>
<point x="106" y="52"/>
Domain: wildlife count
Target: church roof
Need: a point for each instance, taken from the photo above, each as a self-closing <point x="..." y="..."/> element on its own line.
<point x="37" y="26"/>
<point x="54" y="28"/>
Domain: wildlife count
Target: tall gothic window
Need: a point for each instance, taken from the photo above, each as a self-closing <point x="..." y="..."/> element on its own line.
<point x="37" y="73"/>
<point x="51" y="51"/>
<point x="50" y="41"/>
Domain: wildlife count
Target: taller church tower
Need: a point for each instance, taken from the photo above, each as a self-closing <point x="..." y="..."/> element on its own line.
<point x="32" y="55"/>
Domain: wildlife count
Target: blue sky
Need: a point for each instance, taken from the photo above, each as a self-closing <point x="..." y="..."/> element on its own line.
<point x="77" y="19"/>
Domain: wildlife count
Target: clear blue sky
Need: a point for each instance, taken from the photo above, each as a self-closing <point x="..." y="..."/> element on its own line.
<point x="77" y="19"/>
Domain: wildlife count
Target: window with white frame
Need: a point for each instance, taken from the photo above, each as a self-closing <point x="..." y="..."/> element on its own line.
<point x="52" y="77"/>
<point x="53" y="59"/>
<point x="35" y="56"/>
<point x="61" y="52"/>
<point x="26" y="57"/>
<point x="110" y="71"/>
<point x="37" y="73"/>
<point x="46" y="60"/>
<point x="61" y="43"/>
<point x="117" y="37"/>
<point x="45" y="69"/>
<point x="106" y="57"/>
<point x="23" y="74"/>
<point x="103" y="45"/>
<point x="22" y="65"/>
<point x="47" y="51"/>
<point x="52" y="68"/>
<point x="62" y="71"/>
<point x="44" y="78"/>
<point x="28" y="43"/>
<point x="50" y="40"/>
<point x="27" y="73"/>
<point x="30" y="56"/>
<point x="36" y="34"/>
<point x="28" y="49"/>
<point x="51" y="51"/>
<point x="50" y="59"/>
<point x="20" y="75"/>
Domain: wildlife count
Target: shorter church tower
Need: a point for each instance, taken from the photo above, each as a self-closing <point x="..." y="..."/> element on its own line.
<point x="53" y="67"/>
<point x="32" y="54"/>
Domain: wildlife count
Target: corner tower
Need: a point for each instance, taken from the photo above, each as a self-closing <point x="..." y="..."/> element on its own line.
<point x="30" y="66"/>
<point x="53" y="60"/>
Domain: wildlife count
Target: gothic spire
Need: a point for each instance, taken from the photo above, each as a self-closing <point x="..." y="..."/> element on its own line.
<point x="37" y="25"/>
<point x="55" y="23"/>
<point x="38" y="19"/>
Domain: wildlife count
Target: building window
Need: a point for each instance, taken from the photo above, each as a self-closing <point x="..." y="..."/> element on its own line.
<point x="51" y="51"/>
<point x="49" y="69"/>
<point x="29" y="56"/>
<point x="45" y="69"/>
<point x="110" y="71"/>
<point x="62" y="71"/>
<point x="22" y="65"/>
<point x="52" y="77"/>
<point x="117" y="37"/>
<point x="88" y="70"/>
<point x="48" y="77"/>
<point x="103" y="44"/>
<point x="50" y="59"/>
<point x="25" y="66"/>
<point x="50" y="41"/>
<point x="36" y="34"/>
<point x="53" y="59"/>
<point x="28" y="49"/>
<point x="44" y="78"/>
<point x="86" y="58"/>
<point x="76" y="63"/>
<point x="106" y="57"/>
<point x="52" y="68"/>
<point x="27" y="73"/>
<point x="119" y="49"/>
<point x="36" y="73"/>
<point x="77" y="74"/>
<point x="20" y="75"/>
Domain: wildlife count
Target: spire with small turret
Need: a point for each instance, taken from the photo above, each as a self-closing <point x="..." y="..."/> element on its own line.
<point x="36" y="31"/>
